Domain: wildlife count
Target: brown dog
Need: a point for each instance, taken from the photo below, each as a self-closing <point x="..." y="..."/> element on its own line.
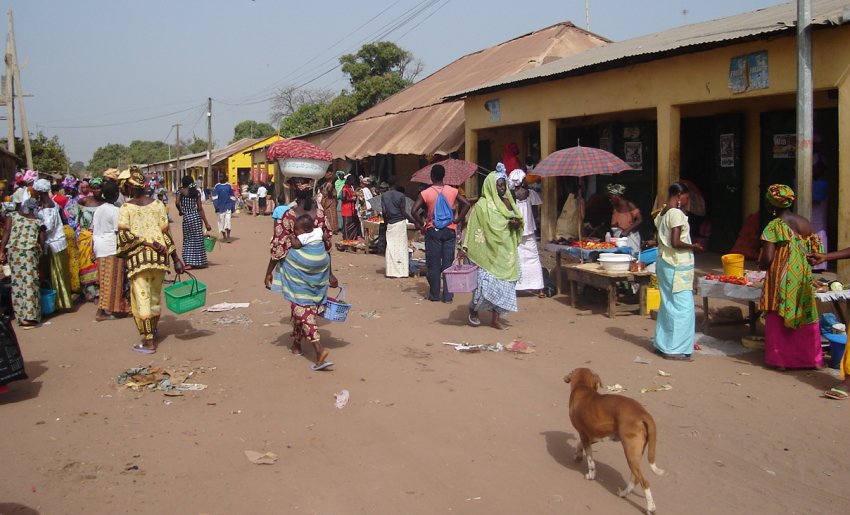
<point x="597" y="417"/>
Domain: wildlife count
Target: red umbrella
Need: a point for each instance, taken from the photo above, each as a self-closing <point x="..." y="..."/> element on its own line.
<point x="457" y="172"/>
<point x="298" y="149"/>
<point x="579" y="162"/>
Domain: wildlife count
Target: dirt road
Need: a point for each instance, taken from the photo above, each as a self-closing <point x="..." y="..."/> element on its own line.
<point x="427" y="429"/>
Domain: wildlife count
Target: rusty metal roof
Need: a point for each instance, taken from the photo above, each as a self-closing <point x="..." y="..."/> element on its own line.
<point x="419" y="121"/>
<point x="220" y="154"/>
<point x="676" y="41"/>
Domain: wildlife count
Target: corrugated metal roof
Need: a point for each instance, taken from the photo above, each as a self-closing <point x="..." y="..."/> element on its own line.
<point x="418" y="121"/>
<point x="680" y="40"/>
<point x="220" y="154"/>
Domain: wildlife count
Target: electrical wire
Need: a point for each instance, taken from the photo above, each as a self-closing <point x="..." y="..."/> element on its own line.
<point x="116" y="124"/>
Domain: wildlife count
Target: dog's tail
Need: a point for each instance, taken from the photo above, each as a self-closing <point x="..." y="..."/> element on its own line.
<point x="649" y="423"/>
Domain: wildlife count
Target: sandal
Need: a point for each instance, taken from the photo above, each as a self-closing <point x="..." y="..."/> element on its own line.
<point x="836" y="394"/>
<point x="142" y="349"/>
<point x="474" y="321"/>
<point x="296" y="349"/>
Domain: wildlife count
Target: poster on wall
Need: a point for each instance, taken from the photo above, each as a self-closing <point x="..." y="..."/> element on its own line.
<point x="748" y="72"/>
<point x="494" y="107"/>
<point x="633" y="151"/>
<point x="727" y="150"/>
<point x="784" y="146"/>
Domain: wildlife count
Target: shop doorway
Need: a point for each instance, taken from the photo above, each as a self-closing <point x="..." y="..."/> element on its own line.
<point x="712" y="159"/>
<point x="779" y="164"/>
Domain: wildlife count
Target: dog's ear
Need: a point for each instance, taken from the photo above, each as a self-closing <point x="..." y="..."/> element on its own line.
<point x="568" y="378"/>
<point x="597" y="383"/>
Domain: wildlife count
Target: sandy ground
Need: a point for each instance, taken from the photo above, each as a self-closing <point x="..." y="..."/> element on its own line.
<point x="427" y="429"/>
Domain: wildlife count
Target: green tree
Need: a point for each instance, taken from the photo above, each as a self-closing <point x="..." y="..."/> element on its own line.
<point x="145" y="152"/>
<point x="252" y="129"/>
<point x="306" y="118"/>
<point x="377" y="71"/>
<point x="112" y="155"/>
<point x="197" y="145"/>
<point x="48" y="155"/>
<point x="78" y="168"/>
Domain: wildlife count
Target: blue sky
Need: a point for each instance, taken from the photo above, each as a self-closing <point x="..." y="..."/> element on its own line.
<point x="111" y="71"/>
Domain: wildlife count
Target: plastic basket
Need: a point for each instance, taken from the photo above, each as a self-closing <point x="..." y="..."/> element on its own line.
<point x="185" y="296"/>
<point x="209" y="242"/>
<point x="648" y="256"/>
<point x="336" y="309"/>
<point x="48" y="301"/>
<point x="461" y="278"/>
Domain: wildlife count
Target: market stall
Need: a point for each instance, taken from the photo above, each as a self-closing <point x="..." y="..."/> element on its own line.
<point x="726" y="287"/>
<point x="593" y="274"/>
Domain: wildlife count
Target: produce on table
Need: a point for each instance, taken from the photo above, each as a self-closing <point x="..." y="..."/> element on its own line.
<point x="375" y="219"/>
<point x="593" y="245"/>
<point x="728" y="279"/>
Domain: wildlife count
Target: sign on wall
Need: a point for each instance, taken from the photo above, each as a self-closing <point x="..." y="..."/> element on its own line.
<point x="749" y="72"/>
<point x="727" y="150"/>
<point x="495" y="109"/>
<point x="784" y="146"/>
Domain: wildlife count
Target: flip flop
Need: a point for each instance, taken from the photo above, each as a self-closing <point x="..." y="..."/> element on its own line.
<point x="677" y="358"/>
<point x="300" y="352"/>
<point x="474" y="322"/>
<point x="322" y="366"/>
<point x="143" y="350"/>
<point x="836" y="394"/>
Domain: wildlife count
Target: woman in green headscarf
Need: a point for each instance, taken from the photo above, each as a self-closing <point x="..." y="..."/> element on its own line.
<point x="791" y="333"/>
<point x="491" y="239"/>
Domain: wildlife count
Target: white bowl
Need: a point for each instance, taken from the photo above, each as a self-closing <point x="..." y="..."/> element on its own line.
<point x="615" y="262"/>
<point x="308" y="168"/>
<point x="621" y="242"/>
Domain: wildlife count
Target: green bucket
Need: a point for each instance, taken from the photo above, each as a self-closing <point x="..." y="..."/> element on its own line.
<point x="209" y="242"/>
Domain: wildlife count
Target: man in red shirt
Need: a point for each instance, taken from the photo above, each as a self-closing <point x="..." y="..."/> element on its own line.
<point x="439" y="243"/>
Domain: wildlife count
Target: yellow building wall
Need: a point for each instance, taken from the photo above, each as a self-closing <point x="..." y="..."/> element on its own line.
<point x="688" y="85"/>
<point x="242" y="160"/>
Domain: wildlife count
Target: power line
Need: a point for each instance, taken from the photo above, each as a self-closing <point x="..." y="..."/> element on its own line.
<point x="116" y="124"/>
<point x="381" y="33"/>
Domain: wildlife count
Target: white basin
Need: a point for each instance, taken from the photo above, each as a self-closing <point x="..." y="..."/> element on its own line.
<point x="308" y="168"/>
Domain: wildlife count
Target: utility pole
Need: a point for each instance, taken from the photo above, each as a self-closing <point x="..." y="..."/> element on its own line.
<point x="177" y="150"/>
<point x="13" y="89"/>
<point x="804" y="108"/>
<point x="587" y="15"/>
<point x="209" y="142"/>
<point x="12" y="66"/>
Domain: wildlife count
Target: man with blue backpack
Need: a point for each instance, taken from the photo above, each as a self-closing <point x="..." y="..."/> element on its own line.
<point x="440" y="229"/>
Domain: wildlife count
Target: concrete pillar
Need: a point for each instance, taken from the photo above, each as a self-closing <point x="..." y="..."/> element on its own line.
<point x="549" y="209"/>
<point x="751" y="152"/>
<point x="843" y="174"/>
<point x="669" y="143"/>
<point x="471" y="155"/>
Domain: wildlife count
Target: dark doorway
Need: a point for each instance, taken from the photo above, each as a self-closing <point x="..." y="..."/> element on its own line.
<point x="712" y="159"/>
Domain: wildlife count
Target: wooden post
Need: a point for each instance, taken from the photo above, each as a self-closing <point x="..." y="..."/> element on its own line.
<point x="471" y="155"/>
<point x="843" y="173"/>
<point x="669" y="143"/>
<point x="549" y="209"/>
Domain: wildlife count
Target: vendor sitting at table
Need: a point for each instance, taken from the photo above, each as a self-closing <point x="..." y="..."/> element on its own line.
<point x="625" y="218"/>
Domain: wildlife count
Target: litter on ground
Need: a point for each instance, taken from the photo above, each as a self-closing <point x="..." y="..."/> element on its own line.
<point x="664" y="374"/>
<point x="615" y="388"/>
<point x="711" y="346"/>
<point x="261" y="458"/>
<point x="341" y="399"/>
<point x="168" y="380"/>
<point x="642" y="361"/>
<point x="226" y="306"/>
<point x="662" y="388"/>
<point x="241" y="319"/>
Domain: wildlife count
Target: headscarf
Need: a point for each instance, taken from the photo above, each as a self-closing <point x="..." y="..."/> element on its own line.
<point x="30" y="176"/>
<point x="97" y="182"/>
<point x="30" y="205"/>
<point x="69" y="182"/>
<point x="41" y="186"/>
<point x="780" y="195"/>
<point x="616" y="189"/>
<point x="500" y="167"/>
<point x="299" y="184"/>
<point x="111" y="174"/>
<point x="137" y="178"/>
<point x="489" y="242"/>
<point x="509" y="156"/>
<point x="515" y="178"/>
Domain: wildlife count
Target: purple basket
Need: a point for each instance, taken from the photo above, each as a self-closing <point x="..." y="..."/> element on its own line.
<point x="461" y="278"/>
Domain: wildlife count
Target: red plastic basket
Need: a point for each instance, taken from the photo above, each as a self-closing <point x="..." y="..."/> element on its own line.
<point x="461" y="278"/>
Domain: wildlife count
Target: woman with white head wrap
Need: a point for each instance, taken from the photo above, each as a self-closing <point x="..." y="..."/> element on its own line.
<point x="22" y="243"/>
<point x="528" y="202"/>
<point x="57" y="244"/>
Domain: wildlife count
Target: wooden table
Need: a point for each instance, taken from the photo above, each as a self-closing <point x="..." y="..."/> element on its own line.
<point x="592" y="274"/>
<point x="717" y="290"/>
<point x="836" y="297"/>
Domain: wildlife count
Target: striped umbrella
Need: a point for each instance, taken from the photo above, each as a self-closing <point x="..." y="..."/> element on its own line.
<point x="457" y="172"/>
<point x="580" y="162"/>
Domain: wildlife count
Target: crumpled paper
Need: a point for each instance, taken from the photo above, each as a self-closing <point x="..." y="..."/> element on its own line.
<point x="261" y="458"/>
